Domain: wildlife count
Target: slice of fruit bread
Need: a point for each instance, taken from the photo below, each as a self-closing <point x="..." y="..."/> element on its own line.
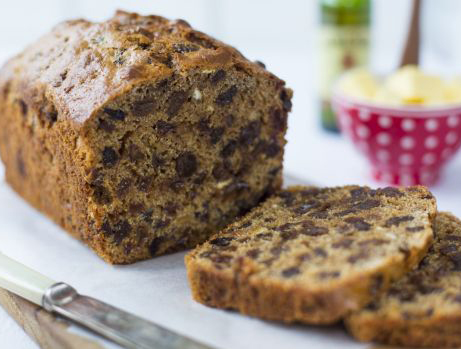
<point x="314" y="255"/>
<point x="423" y="309"/>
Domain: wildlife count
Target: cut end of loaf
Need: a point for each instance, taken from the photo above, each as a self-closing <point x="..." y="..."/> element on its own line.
<point x="178" y="160"/>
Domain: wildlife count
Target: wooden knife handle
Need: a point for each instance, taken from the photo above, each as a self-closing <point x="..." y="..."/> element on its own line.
<point x="23" y="281"/>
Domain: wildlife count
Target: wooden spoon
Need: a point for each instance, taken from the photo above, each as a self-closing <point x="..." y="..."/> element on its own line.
<point x="411" y="52"/>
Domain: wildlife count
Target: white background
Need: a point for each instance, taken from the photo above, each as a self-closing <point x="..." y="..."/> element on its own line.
<point x="283" y="35"/>
<point x="257" y="27"/>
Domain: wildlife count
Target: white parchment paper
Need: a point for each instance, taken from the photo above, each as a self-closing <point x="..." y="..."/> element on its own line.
<point x="156" y="289"/>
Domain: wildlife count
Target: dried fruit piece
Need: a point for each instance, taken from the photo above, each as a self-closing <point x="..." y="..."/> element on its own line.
<point x="51" y="116"/>
<point x="135" y="153"/>
<point x="219" y="75"/>
<point x="286" y="100"/>
<point x="229" y="149"/>
<point x="106" y="126"/>
<point x="115" y="114"/>
<point x="272" y="149"/>
<point x="101" y="195"/>
<point x="120" y="231"/>
<point x="359" y="223"/>
<point x="144" y="107"/>
<point x="397" y="220"/>
<point x="216" y="134"/>
<point x="221" y="241"/>
<point x="186" y="164"/>
<point x="290" y="272"/>
<point x="177" y="99"/>
<point x="184" y="48"/>
<point x="23" y="106"/>
<point x="227" y="96"/>
<point x="20" y="164"/>
<point x="249" y="133"/>
<point x="279" y="119"/>
<point x="155" y="245"/>
<point x="109" y="157"/>
<point x="163" y="127"/>
<point x="123" y="187"/>
<point x="144" y="183"/>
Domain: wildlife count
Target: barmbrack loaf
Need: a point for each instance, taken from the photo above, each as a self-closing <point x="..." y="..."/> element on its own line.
<point x="140" y="135"/>
<point x="314" y="255"/>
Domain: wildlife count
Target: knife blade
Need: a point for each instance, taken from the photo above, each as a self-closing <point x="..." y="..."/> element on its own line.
<point x="110" y="322"/>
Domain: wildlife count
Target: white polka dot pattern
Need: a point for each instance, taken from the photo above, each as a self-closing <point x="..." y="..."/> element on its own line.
<point x="364" y="115"/>
<point x="429" y="159"/>
<point x="453" y="121"/>
<point x="363" y="131"/>
<point x="383" y="138"/>
<point x="407" y="142"/>
<point x="408" y="125"/>
<point x="383" y="155"/>
<point x="407" y="179"/>
<point x="431" y="125"/>
<point x="431" y="142"/>
<point x="384" y="121"/>
<point x="406" y="159"/>
<point x="404" y="149"/>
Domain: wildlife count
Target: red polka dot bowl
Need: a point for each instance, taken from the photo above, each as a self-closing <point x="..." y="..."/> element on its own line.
<point x="405" y="145"/>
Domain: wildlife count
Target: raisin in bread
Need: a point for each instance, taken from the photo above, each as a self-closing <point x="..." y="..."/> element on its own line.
<point x="313" y="255"/>
<point x="424" y="308"/>
<point x="140" y="135"/>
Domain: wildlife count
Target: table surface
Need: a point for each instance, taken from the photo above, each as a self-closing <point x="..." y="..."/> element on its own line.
<point x="311" y="154"/>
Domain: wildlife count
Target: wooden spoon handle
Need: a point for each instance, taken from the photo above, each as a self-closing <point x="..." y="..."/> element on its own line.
<point x="411" y="52"/>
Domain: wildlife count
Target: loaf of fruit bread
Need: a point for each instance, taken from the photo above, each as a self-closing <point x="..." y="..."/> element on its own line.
<point x="314" y="255"/>
<point x="424" y="308"/>
<point x="139" y="135"/>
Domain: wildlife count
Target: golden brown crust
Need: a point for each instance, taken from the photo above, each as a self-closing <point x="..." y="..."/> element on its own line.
<point x="232" y="271"/>
<point x="139" y="135"/>
<point x="80" y="60"/>
<point x="276" y="302"/>
<point x="423" y="309"/>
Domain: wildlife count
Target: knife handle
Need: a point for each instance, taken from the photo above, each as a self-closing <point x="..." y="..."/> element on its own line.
<point x="23" y="281"/>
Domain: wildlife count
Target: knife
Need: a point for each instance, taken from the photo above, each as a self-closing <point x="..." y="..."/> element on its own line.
<point x="115" y="324"/>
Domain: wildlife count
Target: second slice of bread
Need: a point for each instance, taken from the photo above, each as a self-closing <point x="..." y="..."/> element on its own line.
<point x="423" y="309"/>
<point x="314" y="255"/>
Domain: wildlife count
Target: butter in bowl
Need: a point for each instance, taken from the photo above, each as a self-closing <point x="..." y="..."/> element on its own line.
<point x="407" y="124"/>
